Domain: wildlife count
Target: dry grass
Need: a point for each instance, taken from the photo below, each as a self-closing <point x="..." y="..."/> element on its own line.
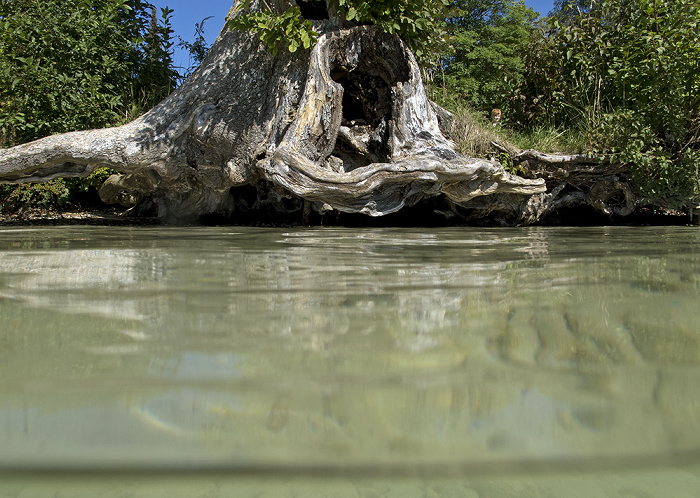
<point x="474" y="135"/>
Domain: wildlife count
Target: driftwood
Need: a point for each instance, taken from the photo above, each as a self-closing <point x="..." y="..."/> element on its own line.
<point x="576" y="180"/>
<point x="344" y="127"/>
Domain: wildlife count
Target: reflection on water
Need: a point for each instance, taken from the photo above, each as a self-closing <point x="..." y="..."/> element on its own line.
<point x="241" y="348"/>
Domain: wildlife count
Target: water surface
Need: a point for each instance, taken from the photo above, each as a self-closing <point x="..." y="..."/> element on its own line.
<point x="455" y="351"/>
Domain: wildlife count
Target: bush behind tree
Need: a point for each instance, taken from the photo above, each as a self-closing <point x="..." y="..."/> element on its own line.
<point x="628" y="71"/>
<point x="482" y="62"/>
<point x="72" y="65"/>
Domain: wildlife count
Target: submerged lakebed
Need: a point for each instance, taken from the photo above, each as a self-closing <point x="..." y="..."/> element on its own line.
<point x="321" y="352"/>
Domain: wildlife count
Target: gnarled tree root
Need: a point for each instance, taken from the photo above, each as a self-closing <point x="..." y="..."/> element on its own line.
<point x="577" y="180"/>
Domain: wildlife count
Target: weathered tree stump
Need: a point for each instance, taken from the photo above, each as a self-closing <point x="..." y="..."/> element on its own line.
<point x="343" y="127"/>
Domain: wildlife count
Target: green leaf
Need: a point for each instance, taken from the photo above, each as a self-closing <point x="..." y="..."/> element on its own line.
<point x="306" y="39"/>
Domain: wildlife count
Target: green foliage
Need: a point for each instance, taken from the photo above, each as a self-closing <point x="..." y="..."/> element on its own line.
<point x="149" y="51"/>
<point x="155" y="76"/>
<point x="288" y="28"/>
<point x="631" y="67"/>
<point x="75" y="64"/>
<point x="571" y="8"/>
<point x="93" y="180"/>
<point x="661" y="174"/>
<point x="198" y="49"/>
<point x="487" y="41"/>
<point x="60" y="64"/>
<point x="47" y="196"/>
<point x="414" y="20"/>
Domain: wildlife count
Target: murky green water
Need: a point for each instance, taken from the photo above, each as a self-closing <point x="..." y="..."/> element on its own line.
<point x="481" y="362"/>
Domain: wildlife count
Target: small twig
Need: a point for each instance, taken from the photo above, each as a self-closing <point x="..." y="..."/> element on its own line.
<point x="504" y="149"/>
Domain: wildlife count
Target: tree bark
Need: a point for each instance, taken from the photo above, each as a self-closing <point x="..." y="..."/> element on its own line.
<point x="346" y="126"/>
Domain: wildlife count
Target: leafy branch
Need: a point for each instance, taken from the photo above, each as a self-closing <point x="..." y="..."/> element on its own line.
<point x="288" y="28"/>
<point x="413" y="20"/>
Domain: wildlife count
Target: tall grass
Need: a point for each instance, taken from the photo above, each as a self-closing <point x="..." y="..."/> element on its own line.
<point x="552" y="139"/>
<point x="475" y="135"/>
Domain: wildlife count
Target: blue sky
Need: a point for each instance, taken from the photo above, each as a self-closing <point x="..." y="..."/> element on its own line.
<point x="188" y="12"/>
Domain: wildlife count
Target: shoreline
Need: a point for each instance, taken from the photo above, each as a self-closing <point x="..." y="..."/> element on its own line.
<point x="99" y="217"/>
<point x="118" y="217"/>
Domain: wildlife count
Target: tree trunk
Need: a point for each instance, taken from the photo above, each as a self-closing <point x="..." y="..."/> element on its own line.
<point x="343" y="127"/>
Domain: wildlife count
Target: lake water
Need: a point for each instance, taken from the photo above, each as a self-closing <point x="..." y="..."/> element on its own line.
<point x="349" y="362"/>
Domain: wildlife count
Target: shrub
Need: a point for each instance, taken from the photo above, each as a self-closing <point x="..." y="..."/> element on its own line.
<point x="632" y="68"/>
